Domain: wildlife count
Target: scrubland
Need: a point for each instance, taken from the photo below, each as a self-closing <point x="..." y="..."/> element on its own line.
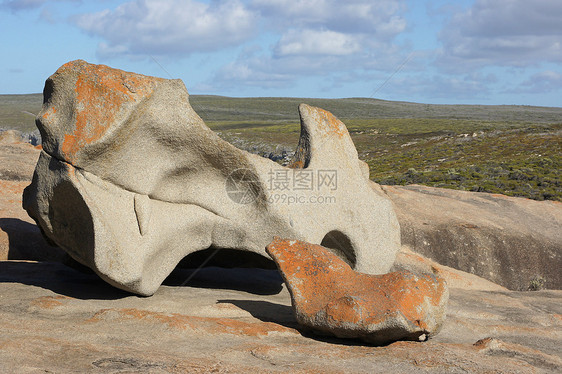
<point x="513" y="150"/>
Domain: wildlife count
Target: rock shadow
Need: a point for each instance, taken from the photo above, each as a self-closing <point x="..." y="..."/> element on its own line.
<point x="227" y="269"/>
<point x="283" y="315"/>
<point x="56" y="271"/>
<point x="61" y="279"/>
<point x="25" y="242"/>
<point x="267" y="311"/>
<point x="251" y="280"/>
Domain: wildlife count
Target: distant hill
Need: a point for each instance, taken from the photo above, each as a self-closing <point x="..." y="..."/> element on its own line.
<point x="508" y="149"/>
<point x="16" y="111"/>
<point x="220" y="108"/>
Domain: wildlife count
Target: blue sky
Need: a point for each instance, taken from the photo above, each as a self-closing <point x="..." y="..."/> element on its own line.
<point x="451" y="52"/>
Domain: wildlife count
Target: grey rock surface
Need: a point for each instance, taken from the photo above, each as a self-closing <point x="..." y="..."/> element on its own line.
<point x="130" y="181"/>
<point x="20" y="238"/>
<point x="10" y="136"/>
<point x="17" y="159"/>
<point x="56" y="319"/>
<point x="510" y="241"/>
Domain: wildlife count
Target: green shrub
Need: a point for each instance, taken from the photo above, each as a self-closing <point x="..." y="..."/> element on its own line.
<point x="537" y="283"/>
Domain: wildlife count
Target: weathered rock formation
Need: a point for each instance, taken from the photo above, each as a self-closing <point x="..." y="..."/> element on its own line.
<point x="407" y="260"/>
<point x="424" y="213"/>
<point x="130" y="181"/>
<point x="510" y="241"/>
<point x="329" y="297"/>
<point x="56" y="319"/>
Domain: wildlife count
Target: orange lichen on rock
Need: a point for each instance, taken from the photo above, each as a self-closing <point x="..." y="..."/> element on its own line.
<point x="328" y="296"/>
<point x="13" y="187"/>
<point x="333" y="125"/>
<point x="49" y="302"/>
<point x="205" y="324"/>
<point x="296" y="165"/>
<point x="101" y="93"/>
<point x="49" y="113"/>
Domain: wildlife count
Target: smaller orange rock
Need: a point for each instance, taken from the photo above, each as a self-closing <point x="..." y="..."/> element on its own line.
<point x="330" y="297"/>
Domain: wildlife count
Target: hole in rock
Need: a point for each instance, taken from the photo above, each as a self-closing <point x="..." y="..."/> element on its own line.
<point x="341" y="246"/>
<point x="226" y="258"/>
<point x="228" y="269"/>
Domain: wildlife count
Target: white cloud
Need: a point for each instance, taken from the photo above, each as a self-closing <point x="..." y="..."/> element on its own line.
<point x="22" y="5"/>
<point x="319" y="38"/>
<point x="281" y="71"/>
<point x="250" y="73"/>
<point x="504" y="32"/>
<point x="265" y="71"/>
<point x="179" y="27"/>
<point x="316" y="42"/>
<point x="17" y="5"/>
<point x="543" y="82"/>
<point x="169" y="27"/>
<point x="380" y="18"/>
<point x="310" y="38"/>
<point x="437" y="86"/>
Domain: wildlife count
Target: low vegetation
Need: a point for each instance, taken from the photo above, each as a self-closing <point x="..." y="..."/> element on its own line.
<point x="513" y="150"/>
<point x="515" y="160"/>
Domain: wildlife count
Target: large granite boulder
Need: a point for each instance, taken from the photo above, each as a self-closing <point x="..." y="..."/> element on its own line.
<point x="130" y="181"/>
<point x="511" y="241"/>
<point x="331" y="298"/>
